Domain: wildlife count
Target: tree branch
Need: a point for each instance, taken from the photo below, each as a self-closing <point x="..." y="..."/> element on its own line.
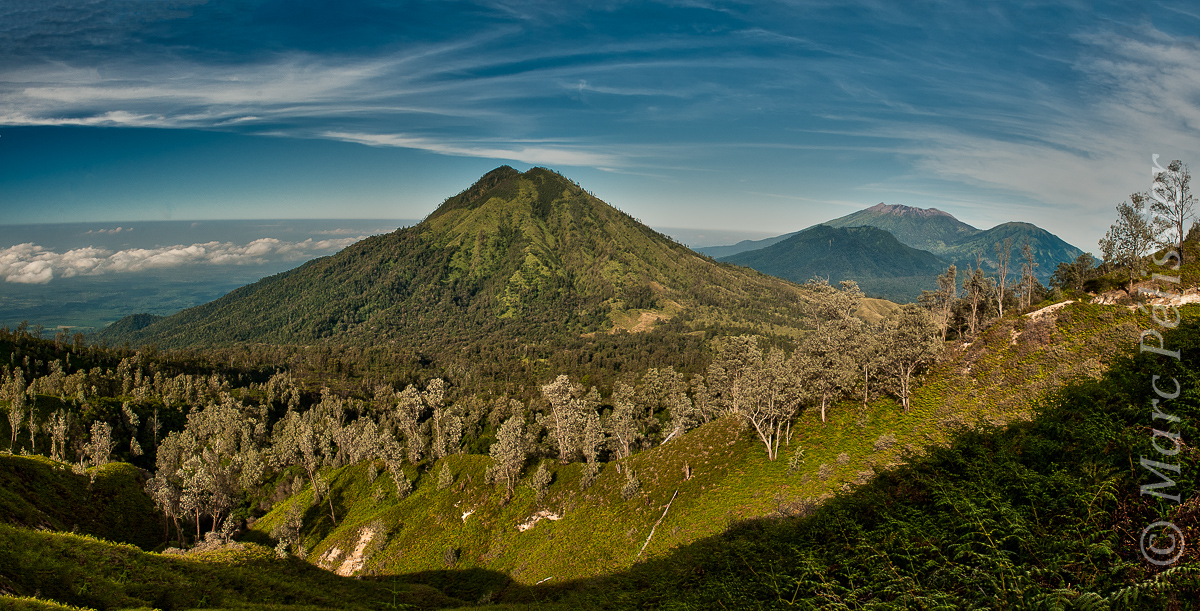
<point x="660" y="519"/>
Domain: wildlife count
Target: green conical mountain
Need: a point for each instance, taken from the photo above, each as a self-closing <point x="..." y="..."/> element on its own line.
<point x="874" y="258"/>
<point x="529" y="255"/>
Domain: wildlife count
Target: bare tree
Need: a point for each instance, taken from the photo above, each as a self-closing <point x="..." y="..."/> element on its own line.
<point x="410" y="406"/>
<point x="976" y="286"/>
<point x="824" y="363"/>
<point x="1028" y="279"/>
<point x="775" y="402"/>
<point x="1003" y="255"/>
<point x="59" y="426"/>
<point x="868" y="354"/>
<point x="15" y="392"/>
<point x="731" y="375"/>
<point x="569" y="408"/>
<point x="99" y="446"/>
<point x="622" y="423"/>
<point x="945" y="298"/>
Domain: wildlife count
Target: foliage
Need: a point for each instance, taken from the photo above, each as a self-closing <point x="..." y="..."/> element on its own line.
<point x="1130" y="238"/>
<point x="39" y="493"/>
<point x="1038" y="513"/>
<point x="541" y="481"/>
<point x="872" y="257"/>
<point x="91" y="573"/>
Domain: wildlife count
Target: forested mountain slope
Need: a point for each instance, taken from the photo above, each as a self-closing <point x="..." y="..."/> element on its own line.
<point x="925" y="229"/>
<point x="957" y="242"/>
<point x="719" y="471"/>
<point x="528" y="255"/>
<point x="1048" y="249"/>
<point x="881" y="264"/>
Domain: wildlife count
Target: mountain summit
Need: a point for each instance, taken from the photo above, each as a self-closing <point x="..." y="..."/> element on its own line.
<point x="515" y="255"/>
<point x="900" y="210"/>
<point x="924" y="228"/>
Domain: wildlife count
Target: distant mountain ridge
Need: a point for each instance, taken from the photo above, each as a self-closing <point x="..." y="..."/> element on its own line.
<point x="885" y="269"/>
<point x="927" y="229"/>
<point x="880" y="263"/>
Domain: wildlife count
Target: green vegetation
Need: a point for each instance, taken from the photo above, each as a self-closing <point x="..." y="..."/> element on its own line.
<point x="1042" y="514"/>
<point x="958" y="243"/>
<point x="515" y="259"/>
<point x="77" y="570"/>
<point x="880" y="264"/>
<point x="722" y="475"/>
<point x="39" y="493"/>
<point x="665" y="443"/>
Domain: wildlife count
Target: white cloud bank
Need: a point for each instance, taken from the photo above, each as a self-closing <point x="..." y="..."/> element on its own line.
<point x="32" y="264"/>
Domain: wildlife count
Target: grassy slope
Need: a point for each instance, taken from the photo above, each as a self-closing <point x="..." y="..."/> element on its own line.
<point x="39" y="493"/>
<point x="92" y="573"/>
<point x="991" y="381"/>
<point x="1041" y="514"/>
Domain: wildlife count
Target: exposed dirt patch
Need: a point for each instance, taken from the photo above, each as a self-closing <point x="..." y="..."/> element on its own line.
<point x="1048" y="309"/>
<point x="646" y="322"/>
<point x="535" y="518"/>
<point x="355" y="561"/>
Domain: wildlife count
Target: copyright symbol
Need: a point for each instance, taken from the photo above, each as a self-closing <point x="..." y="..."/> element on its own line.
<point x="1161" y="540"/>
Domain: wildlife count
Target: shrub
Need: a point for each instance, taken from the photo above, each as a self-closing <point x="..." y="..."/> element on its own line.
<point x="843" y="459"/>
<point x="541" y="481"/>
<point x="590" y="470"/>
<point x="796" y="461"/>
<point x="403" y="485"/>
<point x="632" y="485"/>
<point x="825" y="471"/>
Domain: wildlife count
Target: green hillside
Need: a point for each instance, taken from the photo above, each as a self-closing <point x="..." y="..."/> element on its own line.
<point x="728" y="479"/>
<point x="1044" y="514"/>
<point x="46" y="570"/>
<point x="888" y="275"/>
<point x="881" y="264"/>
<point x="517" y="255"/>
<point x="1048" y="249"/>
<point x="39" y="493"/>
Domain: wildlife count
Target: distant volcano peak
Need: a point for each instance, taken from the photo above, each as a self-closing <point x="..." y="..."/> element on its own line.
<point x="899" y="210"/>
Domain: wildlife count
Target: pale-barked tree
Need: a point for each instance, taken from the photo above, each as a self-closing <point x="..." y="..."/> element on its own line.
<point x="910" y="343"/>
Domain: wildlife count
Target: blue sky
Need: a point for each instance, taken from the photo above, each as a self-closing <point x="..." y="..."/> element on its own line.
<point x="757" y="116"/>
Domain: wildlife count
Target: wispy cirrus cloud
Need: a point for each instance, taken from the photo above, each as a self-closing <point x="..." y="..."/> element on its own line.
<point x="29" y="263"/>
<point x="1047" y="111"/>
<point x="525" y="154"/>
